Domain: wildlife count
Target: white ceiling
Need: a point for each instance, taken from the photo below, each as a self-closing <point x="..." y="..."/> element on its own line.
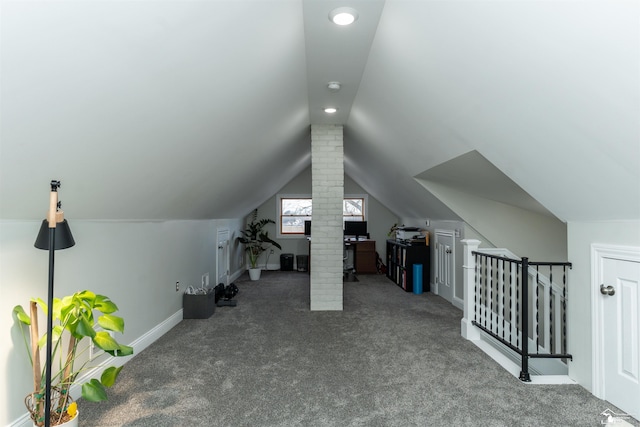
<point x="201" y="109"/>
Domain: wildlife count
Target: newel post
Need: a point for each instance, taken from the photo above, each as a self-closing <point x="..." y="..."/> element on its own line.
<point x="467" y="330"/>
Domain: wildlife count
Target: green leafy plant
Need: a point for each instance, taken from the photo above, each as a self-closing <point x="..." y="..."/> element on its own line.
<point x="74" y="318"/>
<point x="256" y="239"/>
<point x="392" y="230"/>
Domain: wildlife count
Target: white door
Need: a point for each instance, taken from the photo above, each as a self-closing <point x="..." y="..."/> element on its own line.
<point x="622" y="334"/>
<point x="223" y="257"/>
<point x="444" y="264"/>
<point x="618" y="293"/>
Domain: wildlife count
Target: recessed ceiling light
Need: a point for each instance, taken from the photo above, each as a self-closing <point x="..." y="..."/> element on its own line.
<point x="334" y="86"/>
<point x="330" y="110"/>
<point x="343" y="15"/>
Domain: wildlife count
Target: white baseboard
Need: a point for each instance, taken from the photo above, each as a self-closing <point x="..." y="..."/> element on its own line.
<point x="236" y="275"/>
<point x="514" y="368"/>
<point x="138" y="345"/>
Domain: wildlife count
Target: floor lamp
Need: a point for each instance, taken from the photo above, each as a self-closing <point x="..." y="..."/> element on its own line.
<point x="54" y="235"/>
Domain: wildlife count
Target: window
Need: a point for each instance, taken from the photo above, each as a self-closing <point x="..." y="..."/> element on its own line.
<point x="293" y="213"/>
<point x="295" y="210"/>
<point x="353" y="209"/>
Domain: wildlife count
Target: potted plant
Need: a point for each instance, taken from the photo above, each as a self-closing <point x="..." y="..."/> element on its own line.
<point x="74" y="318"/>
<point x="256" y="241"/>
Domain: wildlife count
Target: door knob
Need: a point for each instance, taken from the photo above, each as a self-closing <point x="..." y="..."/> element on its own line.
<point x="607" y="290"/>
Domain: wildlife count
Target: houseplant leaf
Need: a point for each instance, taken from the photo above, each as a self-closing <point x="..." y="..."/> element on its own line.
<point x="109" y="375"/>
<point x="122" y="350"/>
<point x="94" y="391"/>
<point x="105" y="341"/>
<point x="56" y="333"/>
<point x="83" y="328"/>
<point x="111" y="322"/>
<point x="104" y="304"/>
<point x="21" y="315"/>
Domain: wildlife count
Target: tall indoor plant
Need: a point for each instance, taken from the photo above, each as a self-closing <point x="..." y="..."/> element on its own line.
<point x="256" y="240"/>
<point x="75" y="317"/>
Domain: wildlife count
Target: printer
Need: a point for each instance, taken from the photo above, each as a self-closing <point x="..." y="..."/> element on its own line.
<point x="408" y="233"/>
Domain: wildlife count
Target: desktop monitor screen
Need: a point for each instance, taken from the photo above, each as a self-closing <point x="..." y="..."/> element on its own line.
<point x="307" y="228"/>
<point x="355" y="228"/>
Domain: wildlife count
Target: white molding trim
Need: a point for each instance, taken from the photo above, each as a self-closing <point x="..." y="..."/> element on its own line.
<point x="458" y="302"/>
<point x="599" y="252"/>
<point x="452" y="234"/>
<point x="484" y="344"/>
<point x="138" y="345"/>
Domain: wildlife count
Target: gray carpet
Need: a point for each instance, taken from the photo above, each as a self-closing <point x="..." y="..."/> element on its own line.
<point x="389" y="359"/>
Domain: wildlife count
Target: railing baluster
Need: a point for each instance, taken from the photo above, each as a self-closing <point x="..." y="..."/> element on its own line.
<point x="518" y="302"/>
<point x="564" y="310"/>
<point x="482" y="260"/>
<point x="491" y="269"/>
<point x="512" y="306"/>
<point x="551" y="318"/>
<point x="475" y="294"/>
<point x="537" y="314"/>
<point x="557" y="325"/>
<point x="484" y="306"/>
<point x="503" y="300"/>
<point x="524" y="373"/>
<point x="546" y="316"/>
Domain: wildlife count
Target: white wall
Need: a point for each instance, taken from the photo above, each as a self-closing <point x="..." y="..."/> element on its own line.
<point x="134" y="263"/>
<point x="581" y="235"/>
<point x="522" y="231"/>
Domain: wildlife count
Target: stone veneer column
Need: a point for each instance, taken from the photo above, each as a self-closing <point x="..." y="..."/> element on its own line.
<point x="327" y="239"/>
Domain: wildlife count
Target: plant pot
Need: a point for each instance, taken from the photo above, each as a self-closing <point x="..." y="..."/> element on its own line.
<point x="35" y="403"/>
<point x="71" y="423"/>
<point x="254" y="273"/>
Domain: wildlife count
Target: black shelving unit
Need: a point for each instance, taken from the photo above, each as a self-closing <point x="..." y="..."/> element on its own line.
<point x="401" y="256"/>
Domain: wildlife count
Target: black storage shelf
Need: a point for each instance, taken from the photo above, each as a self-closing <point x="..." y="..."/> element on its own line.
<point x="401" y="257"/>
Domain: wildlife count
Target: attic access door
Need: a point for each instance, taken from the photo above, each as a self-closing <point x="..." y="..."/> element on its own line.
<point x="223" y="257"/>
<point x="616" y="326"/>
<point x="445" y="256"/>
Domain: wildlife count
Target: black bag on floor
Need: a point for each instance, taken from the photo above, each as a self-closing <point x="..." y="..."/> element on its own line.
<point x="219" y="290"/>
<point x="231" y="291"/>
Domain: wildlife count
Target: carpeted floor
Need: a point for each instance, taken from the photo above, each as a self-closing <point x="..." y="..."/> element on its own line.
<point x="389" y="359"/>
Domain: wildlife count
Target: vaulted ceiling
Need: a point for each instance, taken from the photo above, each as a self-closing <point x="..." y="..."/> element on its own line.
<point x="202" y="109"/>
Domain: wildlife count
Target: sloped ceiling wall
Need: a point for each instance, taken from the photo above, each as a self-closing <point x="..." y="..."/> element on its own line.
<point x="151" y="110"/>
<point x="179" y="110"/>
<point x="548" y="92"/>
<point x="490" y="202"/>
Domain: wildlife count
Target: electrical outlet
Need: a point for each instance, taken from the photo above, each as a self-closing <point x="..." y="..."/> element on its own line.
<point x="177" y="286"/>
<point x="271" y="251"/>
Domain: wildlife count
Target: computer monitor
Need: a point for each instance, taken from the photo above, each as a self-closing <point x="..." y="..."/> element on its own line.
<point x="307" y="228"/>
<point x="355" y="228"/>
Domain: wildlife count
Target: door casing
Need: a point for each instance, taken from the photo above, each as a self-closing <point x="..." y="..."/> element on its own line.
<point x="446" y="237"/>
<point x="600" y="252"/>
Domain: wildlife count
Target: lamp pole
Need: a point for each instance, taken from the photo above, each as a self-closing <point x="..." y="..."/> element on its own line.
<point x="51" y="218"/>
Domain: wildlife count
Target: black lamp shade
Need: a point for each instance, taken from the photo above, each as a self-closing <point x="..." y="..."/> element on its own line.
<point x="63" y="238"/>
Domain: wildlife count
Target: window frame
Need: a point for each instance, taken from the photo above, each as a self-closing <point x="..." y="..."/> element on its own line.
<point x="279" y="214"/>
<point x="282" y="197"/>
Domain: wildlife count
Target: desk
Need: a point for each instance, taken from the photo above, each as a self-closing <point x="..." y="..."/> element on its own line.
<point x="364" y="255"/>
